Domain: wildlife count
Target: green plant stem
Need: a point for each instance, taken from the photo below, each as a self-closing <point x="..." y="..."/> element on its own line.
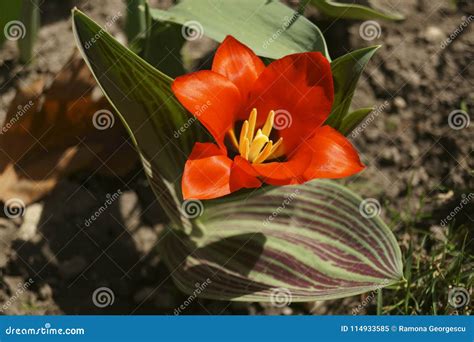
<point x="379" y="302"/>
<point x="136" y="22"/>
<point x="30" y="17"/>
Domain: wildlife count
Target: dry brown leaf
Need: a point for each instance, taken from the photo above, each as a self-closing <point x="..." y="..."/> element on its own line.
<point x="50" y="132"/>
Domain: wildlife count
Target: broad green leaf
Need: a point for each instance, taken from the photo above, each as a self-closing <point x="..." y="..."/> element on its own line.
<point x="352" y="11"/>
<point x="351" y="120"/>
<point x="160" y="127"/>
<point x="270" y="28"/>
<point x="309" y="242"/>
<point x="346" y="71"/>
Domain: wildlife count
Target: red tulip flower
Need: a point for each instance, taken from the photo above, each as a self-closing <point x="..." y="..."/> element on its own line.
<point x="267" y="123"/>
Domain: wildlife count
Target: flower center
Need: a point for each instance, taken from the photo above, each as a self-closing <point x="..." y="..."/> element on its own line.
<point x="256" y="147"/>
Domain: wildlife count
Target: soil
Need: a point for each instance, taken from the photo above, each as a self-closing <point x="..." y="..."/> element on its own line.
<point x="415" y="162"/>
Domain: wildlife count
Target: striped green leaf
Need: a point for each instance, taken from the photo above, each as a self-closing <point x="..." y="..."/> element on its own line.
<point x="270" y="28"/>
<point x="142" y="96"/>
<point x="352" y="11"/>
<point x="309" y="242"/>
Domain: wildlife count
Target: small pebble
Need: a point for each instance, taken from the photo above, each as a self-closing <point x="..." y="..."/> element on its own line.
<point x="399" y="102"/>
<point x="31" y="220"/>
<point x="72" y="267"/>
<point x="45" y="292"/>
<point x="433" y="34"/>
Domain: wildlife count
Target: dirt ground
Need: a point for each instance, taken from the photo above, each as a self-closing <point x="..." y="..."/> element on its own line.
<point x="418" y="166"/>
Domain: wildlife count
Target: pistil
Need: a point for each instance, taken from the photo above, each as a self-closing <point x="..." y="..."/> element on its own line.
<point x="256" y="147"/>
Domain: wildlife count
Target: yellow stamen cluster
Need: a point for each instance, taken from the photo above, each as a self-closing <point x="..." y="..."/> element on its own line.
<point x="256" y="147"/>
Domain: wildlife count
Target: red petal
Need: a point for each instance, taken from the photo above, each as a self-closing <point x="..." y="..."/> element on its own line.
<point x="206" y="173"/>
<point x="238" y="63"/>
<point x="327" y="154"/>
<point x="288" y="172"/>
<point x="211" y="98"/>
<point x="333" y="156"/>
<point x="299" y="88"/>
<point x="243" y="175"/>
